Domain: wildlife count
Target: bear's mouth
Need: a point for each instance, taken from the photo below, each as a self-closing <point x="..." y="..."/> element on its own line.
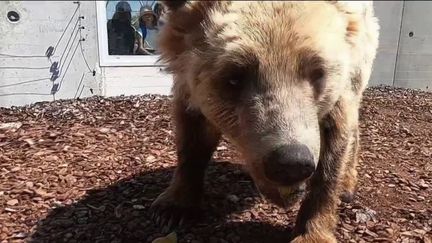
<point x="284" y="197"/>
<point x="292" y="194"/>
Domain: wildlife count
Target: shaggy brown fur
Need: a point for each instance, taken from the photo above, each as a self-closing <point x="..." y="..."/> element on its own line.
<point x="266" y="74"/>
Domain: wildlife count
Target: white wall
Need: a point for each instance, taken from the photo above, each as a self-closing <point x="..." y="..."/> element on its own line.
<point x="402" y="60"/>
<point x="389" y="14"/>
<point x="414" y="60"/>
<point x="135" y="81"/>
<point x="40" y="26"/>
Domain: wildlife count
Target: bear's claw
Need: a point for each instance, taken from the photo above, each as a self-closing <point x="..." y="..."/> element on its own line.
<point x="171" y="214"/>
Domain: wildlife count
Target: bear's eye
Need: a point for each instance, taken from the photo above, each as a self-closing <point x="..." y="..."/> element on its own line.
<point x="317" y="79"/>
<point x="311" y="68"/>
<point x="236" y="77"/>
<point x="316" y="75"/>
<point x="234" y="82"/>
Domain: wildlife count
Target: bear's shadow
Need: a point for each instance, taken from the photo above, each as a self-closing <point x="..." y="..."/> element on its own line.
<point x="120" y="212"/>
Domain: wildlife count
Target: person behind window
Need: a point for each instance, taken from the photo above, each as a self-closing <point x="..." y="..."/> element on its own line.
<point x="160" y="13"/>
<point x="148" y="31"/>
<point x="121" y="34"/>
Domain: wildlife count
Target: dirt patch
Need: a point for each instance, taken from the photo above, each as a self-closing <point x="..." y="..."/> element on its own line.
<point x="87" y="171"/>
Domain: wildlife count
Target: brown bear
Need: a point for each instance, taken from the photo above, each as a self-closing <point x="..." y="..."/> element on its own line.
<point x="283" y="81"/>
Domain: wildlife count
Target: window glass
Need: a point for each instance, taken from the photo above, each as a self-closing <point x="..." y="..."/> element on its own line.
<point x="133" y="26"/>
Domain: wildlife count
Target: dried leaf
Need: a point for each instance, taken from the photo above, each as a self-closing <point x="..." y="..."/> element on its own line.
<point x="10" y="125"/>
<point x="104" y="130"/>
<point x="150" y="159"/>
<point x="363" y="216"/>
<point x="29" y="141"/>
<point x="12" y="202"/>
<point x="139" y="207"/>
<point x="42" y="193"/>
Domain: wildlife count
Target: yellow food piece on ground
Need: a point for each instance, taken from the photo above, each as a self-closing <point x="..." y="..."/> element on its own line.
<point x="285" y="191"/>
<point x="170" y="238"/>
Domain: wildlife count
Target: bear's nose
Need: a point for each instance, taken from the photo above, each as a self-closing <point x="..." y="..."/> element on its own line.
<point x="289" y="164"/>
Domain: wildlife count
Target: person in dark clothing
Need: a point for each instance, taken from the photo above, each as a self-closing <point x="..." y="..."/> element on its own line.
<point x="121" y="34"/>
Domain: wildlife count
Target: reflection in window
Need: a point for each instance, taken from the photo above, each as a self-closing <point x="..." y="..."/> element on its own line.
<point x="133" y="27"/>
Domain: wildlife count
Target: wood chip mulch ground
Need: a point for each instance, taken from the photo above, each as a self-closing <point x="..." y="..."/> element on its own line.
<point x="87" y="171"/>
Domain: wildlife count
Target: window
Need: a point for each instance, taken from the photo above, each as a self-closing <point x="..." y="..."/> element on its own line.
<point x="127" y="32"/>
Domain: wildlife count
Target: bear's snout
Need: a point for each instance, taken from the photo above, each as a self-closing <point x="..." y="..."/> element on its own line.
<point x="289" y="164"/>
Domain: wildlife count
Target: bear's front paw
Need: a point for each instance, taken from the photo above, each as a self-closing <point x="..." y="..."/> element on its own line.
<point x="173" y="207"/>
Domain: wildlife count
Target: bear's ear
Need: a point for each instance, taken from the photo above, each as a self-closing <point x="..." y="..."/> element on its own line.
<point x="356" y="12"/>
<point x="187" y="16"/>
<point x="353" y="7"/>
<point x="182" y="30"/>
<point x="173" y="5"/>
